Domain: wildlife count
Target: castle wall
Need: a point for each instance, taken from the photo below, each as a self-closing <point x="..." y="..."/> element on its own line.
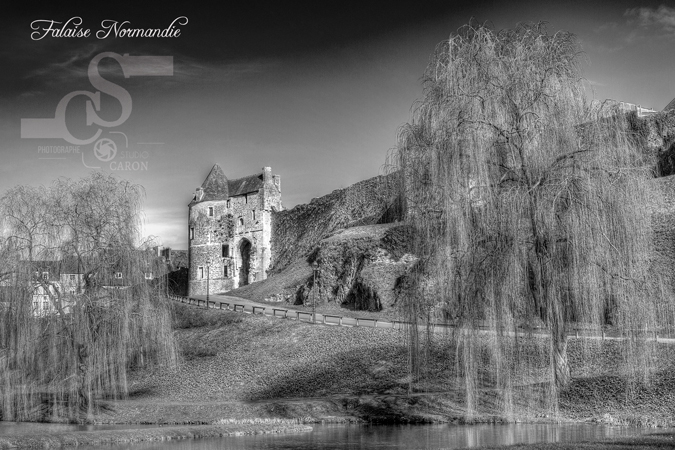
<point x="295" y="232"/>
<point x="205" y="248"/>
<point x="235" y="221"/>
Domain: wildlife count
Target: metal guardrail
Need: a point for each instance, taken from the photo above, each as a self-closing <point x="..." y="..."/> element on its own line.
<point x="329" y="319"/>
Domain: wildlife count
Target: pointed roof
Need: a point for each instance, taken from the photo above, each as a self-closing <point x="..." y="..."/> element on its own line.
<point x="670" y="105"/>
<point x="215" y="185"/>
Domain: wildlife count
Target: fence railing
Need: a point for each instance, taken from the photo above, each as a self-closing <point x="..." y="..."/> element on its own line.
<point x="576" y="331"/>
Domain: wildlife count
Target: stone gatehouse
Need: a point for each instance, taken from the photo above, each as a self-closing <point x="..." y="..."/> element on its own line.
<point x="230" y="230"/>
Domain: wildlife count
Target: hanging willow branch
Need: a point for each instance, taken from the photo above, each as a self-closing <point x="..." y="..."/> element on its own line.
<point x="543" y="206"/>
<point x="60" y="356"/>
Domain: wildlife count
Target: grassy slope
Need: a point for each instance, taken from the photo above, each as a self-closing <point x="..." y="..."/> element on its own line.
<point x="286" y="281"/>
<point x="299" y="273"/>
<point x="239" y="366"/>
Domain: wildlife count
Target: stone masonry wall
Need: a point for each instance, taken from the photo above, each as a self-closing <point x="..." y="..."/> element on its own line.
<point x="235" y="221"/>
<point x="208" y="234"/>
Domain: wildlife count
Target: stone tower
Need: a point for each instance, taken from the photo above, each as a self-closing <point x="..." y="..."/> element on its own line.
<point x="229" y="230"/>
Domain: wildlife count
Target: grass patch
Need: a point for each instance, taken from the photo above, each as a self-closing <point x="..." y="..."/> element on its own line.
<point x="186" y="316"/>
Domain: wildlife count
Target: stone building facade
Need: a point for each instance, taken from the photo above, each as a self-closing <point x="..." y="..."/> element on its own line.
<point x="230" y="230"/>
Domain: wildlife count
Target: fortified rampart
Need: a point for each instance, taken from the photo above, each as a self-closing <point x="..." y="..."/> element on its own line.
<point x="359" y="263"/>
<point x="296" y="232"/>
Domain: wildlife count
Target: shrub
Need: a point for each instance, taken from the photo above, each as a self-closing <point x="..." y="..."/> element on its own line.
<point x="192" y="317"/>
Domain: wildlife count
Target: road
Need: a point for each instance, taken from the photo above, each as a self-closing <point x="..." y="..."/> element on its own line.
<point x="252" y="307"/>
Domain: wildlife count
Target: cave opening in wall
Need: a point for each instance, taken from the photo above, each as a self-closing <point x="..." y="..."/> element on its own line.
<point x="666" y="162"/>
<point x="244" y="268"/>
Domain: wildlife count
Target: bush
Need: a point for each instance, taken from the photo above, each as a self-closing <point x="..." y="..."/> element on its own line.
<point x="192" y="317"/>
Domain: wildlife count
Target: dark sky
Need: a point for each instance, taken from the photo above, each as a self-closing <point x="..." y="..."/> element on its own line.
<point x="317" y="92"/>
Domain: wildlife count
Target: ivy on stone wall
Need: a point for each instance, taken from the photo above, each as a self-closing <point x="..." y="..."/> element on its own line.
<point x="655" y="134"/>
<point x="224" y="227"/>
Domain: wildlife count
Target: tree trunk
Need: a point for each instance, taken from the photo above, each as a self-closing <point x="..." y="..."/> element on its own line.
<point x="559" y="349"/>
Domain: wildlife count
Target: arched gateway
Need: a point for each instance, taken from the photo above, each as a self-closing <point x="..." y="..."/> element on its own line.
<point x="245" y="268"/>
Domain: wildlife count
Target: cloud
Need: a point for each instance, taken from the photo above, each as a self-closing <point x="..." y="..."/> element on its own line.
<point x="72" y="68"/>
<point x="602" y="48"/>
<point x="605" y="26"/>
<point x="166" y="224"/>
<point x="29" y="94"/>
<point x="595" y="83"/>
<point x="661" y="18"/>
<point x="188" y="68"/>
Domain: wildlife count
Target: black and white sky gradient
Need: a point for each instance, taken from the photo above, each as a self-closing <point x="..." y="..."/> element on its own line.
<point x="317" y="91"/>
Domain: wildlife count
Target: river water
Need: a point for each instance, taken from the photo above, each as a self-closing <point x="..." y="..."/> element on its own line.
<point x="343" y="437"/>
<point x="34" y="428"/>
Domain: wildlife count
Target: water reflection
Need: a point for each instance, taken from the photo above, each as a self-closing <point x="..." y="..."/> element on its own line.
<point x="347" y="437"/>
<point x="18" y="428"/>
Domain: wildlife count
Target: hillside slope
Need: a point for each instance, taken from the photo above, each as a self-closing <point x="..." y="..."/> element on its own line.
<point x="240" y="366"/>
<point x="358" y="268"/>
<point x="296" y="232"/>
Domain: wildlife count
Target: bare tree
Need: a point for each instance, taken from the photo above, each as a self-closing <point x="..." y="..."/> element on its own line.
<point x="527" y="204"/>
<point x="61" y="359"/>
<point x="26" y="218"/>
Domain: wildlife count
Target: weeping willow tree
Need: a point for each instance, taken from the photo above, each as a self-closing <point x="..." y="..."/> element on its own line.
<point x="76" y="310"/>
<point x="529" y="206"/>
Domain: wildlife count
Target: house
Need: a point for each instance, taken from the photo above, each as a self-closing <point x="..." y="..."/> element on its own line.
<point x="173" y="259"/>
<point x="628" y="107"/>
<point x="230" y="229"/>
<point x="55" y="284"/>
<point x="148" y="265"/>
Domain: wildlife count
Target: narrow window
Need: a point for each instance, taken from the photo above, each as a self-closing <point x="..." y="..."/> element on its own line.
<point x="201" y="272"/>
<point x="253" y="214"/>
<point x="228" y="203"/>
<point x="192" y="233"/>
<point x="225" y="271"/>
<point x="241" y="221"/>
<point x="210" y="211"/>
<point x="246" y="198"/>
<point x="226" y="250"/>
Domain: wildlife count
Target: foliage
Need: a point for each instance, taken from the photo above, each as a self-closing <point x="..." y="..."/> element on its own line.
<point x="99" y="316"/>
<point x="527" y="205"/>
<point x="193" y="317"/>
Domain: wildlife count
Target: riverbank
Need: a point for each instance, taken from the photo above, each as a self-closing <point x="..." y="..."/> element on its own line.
<point x="239" y="366"/>
<point x="171" y="433"/>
